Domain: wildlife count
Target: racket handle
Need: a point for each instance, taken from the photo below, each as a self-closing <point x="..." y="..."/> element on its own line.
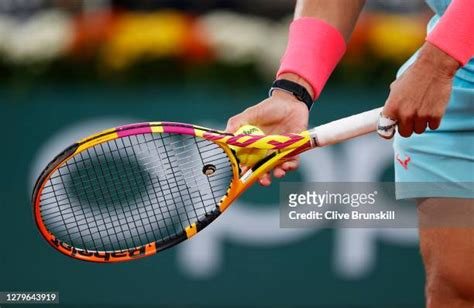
<point x="353" y="126"/>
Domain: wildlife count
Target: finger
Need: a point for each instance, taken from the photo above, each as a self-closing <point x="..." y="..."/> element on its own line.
<point x="386" y="126"/>
<point x="405" y="127"/>
<point x="265" y="180"/>
<point x="389" y="112"/>
<point x="279" y="172"/>
<point x="291" y="165"/>
<point x="420" y="125"/>
<point x="434" y="123"/>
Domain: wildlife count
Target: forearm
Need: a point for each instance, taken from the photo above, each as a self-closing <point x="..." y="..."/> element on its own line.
<point x="341" y="14"/>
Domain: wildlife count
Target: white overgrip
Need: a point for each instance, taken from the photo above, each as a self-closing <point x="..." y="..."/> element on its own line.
<point x="346" y="128"/>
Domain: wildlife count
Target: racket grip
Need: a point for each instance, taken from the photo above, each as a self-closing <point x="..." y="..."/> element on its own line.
<point x="347" y="128"/>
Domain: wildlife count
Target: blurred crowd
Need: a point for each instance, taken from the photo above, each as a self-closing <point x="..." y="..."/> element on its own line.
<point x="269" y="8"/>
<point x="121" y="35"/>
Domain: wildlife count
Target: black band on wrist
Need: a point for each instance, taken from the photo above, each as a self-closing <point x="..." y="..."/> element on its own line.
<point x="294" y="88"/>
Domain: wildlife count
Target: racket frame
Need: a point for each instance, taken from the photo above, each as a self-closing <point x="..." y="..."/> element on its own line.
<point x="222" y="139"/>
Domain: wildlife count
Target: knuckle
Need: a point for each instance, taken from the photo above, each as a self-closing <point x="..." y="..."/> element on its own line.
<point x="433" y="115"/>
<point x="438" y="113"/>
<point x="390" y="110"/>
<point x="422" y="114"/>
<point x="406" y="116"/>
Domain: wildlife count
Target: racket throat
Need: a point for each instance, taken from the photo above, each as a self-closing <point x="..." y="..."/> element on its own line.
<point x="259" y="168"/>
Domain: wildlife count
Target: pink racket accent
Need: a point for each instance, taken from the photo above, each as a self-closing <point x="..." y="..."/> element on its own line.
<point x="281" y="145"/>
<point x="178" y="128"/>
<point x="212" y="136"/>
<point x="250" y="139"/>
<point x="133" y="129"/>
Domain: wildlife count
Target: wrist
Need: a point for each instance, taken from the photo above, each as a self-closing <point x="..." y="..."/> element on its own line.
<point x="298" y="91"/>
<point x="293" y="108"/>
<point x="287" y="97"/>
<point x="299" y="80"/>
<point x="438" y="60"/>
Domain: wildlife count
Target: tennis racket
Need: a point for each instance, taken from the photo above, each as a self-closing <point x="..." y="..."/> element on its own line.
<point x="134" y="190"/>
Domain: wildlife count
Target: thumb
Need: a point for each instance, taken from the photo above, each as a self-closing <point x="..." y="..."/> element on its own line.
<point x="235" y="122"/>
<point x="386" y="124"/>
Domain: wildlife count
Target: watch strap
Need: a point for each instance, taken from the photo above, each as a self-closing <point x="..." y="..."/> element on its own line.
<point x="294" y="88"/>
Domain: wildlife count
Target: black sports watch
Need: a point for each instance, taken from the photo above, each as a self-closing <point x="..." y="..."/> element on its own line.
<point x="294" y="88"/>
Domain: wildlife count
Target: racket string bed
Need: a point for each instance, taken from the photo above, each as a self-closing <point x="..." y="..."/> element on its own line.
<point x="133" y="191"/>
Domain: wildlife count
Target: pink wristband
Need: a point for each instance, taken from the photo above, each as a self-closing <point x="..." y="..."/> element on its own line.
<point x="313" y="51"/>
<point x="454" y="33"/>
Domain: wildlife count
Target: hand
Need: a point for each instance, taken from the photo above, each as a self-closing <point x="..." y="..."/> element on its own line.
<point x="419" y="97"/>
<point x="281" y="113"/>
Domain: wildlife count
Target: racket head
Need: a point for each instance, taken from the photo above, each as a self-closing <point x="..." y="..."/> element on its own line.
<point x="61" y="221"/>
<point x="57" y="216"/>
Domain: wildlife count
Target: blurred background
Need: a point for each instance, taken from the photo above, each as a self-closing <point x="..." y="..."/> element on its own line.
<point x="69" y="68"/>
